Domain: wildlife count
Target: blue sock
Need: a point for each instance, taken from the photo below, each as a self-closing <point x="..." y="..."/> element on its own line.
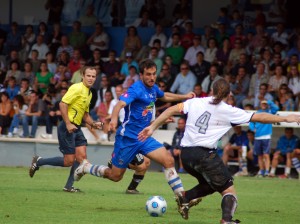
<point x="54" y="161"/>
<point x="70" y="180"/>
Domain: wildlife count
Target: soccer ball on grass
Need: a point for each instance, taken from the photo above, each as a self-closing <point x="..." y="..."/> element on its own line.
<point x="156" y="206"/>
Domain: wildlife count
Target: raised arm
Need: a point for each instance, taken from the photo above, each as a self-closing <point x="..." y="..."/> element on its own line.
<point x="270" y="118"/>
<point x="171" y="97"/>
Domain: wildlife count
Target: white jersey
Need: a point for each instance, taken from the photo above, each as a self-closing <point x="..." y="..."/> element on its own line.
<point x="207" y="123"/>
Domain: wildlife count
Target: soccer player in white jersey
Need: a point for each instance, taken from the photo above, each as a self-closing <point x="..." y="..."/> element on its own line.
<point x="208" y="120"/>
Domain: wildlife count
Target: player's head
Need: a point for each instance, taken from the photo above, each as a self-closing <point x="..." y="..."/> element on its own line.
<point x="148" y="72"/>
<point x="221" y="90"/>
<point x="89" y="76"/>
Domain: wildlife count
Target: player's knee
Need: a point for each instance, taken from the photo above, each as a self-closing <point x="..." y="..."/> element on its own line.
<point x="116" y="177"/>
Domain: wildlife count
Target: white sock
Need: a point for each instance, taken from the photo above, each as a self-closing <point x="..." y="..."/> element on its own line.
<point x="296" y="164"/>
<point x="287" y="170"/>
<point x="95" y="170"/>
<point x="273" y="170"/>
<point x="173" y="180"/>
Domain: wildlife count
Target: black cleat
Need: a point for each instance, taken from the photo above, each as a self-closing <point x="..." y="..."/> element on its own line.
<point x="33" y="166"/>
<point x="72" y="190"/>
<point x="183" y="207"/>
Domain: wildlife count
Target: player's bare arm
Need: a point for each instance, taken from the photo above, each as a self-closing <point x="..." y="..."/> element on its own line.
<point x="94" y="124"/>
<point x="64" y="113"/>
<point x="148" y="131"/>
<point x="115" y="116"/>
<point x="171" y="97"/>
<point x="270" y="118"/>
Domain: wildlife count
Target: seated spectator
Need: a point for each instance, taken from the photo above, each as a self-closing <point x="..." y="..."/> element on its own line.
<point x="12" y="56"/>
<point x="112" y="65"/>
<point x="277" y="13"/>
<point x="20" y="108"/>
<point x="14" y="71"/>
<point x="43" y="79"/>
<point x="190" y="55"/>
<point x="201" y="67"/>
<point x="165" y="76"/>
<point x="103" y="114"/>
<point x="52" y="66"/>
<point x="176" y="51"/>
<point x="14" y="38"/>
<point x="294" y="60"/>
<point x="28" y="73"/>
<point x="161" y="51"/>
<point x="133" y="76"/>
<point x="221" y="34"/>
<point x="238" y="34"/>
<point x="127" y="63"/>
<point x="184" y="81"/>
<point x="198" y="91"/>
<point x="132" y="43"/>
<point x="55" y="38"/>
<point x="161" y="106"/>
<point x="294" y="81"/>
<point x="53" y="114"/>
<point x="159" y="34"/>
<point x="187" y="37"/>
<point x="280" y="49"/>
<point x="211" y="50"/>
<point x="63" y="58"/>
<point x="175" y="29"/>
<point x="276" y="61"/>
<point x="267" y="59"/>
<point x="65" y="46"/>
<point x="61" y="74"/>
<point x="144" y="21"/>
<point x="34" y="60"/>
<point x="74" y="63"/>
<point x="243" y="62"/>
<point x="235" y="53"/>
<point x="209" y="80"/>
<point x="222" y="56"/>
<point x="242" y="86"/>
<point x="276" y="80"/>
<point x="25" y="90"/>
<point x="235" y="20"/>
<point x="284" y="99"/>
<point x="33" y="114"/>
<point x="88" y="19"/>
<point x="260" y="18"/>
<point x="96" y="59"/>
<point x="233" y="150"/>
<point x="174" y="69"/>
<point x="208" y="33"/>
<point x="77" y="76"/>
<point x="99" y="39"/>
<point x="27" y="41"/>
<point x="77" y="38"/>
<point x="280" y="35"/>
<point x="43" y="31"/>
<point x="295" y="50"/>
<point x="285" y="146"/>
<point x="5" y="112"/>
<point x="41" y="47"/>
<point x="12" y="88"/>
<point x="154" y="57"/>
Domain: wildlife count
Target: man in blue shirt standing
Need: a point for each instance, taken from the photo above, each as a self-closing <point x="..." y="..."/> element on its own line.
<point x="138" y="103"/>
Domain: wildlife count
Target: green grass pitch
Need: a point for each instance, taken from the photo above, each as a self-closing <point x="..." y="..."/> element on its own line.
<point x="41" y="200"/>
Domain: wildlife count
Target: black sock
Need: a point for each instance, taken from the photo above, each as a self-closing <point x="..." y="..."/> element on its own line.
<point x="199" y="191"/>
<point x="70" y="180"/>
<point x="136" y="180"/>
<point x="228" y="205"/>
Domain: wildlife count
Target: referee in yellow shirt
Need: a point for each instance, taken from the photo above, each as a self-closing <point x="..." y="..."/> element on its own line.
<point x="74" y="108"/>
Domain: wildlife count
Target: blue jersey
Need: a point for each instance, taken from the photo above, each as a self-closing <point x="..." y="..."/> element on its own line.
<point x="139" y="108"/>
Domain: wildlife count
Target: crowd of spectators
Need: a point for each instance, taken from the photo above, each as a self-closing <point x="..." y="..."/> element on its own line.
<point x="40" y="64"/>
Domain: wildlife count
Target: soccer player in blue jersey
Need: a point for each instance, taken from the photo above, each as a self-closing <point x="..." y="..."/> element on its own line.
<point x="138" y="103"/>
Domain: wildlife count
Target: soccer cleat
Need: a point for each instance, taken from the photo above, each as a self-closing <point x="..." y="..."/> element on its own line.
<point x="182" y="207"/>
<point x="109" y="163"/>
<point x="194" y="202"/>
<point x="72" y="190"/>
<point x="34" y="166"/>
<point x="241" y="174"/>
<point x="79" y="172"/>
<point x="134" y="191"/>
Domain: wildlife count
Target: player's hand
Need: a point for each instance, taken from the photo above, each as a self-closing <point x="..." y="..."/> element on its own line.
<point x="97" y="125"/>
<point x="145" y="133"/>
<point x="293" y="118"/>
<point x="71" y="128"/>
<point x="190" y="95"/>
<point x="112" y="125"/>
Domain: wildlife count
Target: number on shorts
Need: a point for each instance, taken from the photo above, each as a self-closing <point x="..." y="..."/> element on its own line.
<point x="202" y="122"/>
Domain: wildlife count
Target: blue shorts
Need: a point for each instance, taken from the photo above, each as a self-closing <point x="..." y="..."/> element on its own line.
<point x="262" y="146"/>
<point x="126" y="148"/>
<point x="69" y="141"/>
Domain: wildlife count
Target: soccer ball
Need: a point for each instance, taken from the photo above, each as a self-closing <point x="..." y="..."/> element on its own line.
<point x="156" y="206"/>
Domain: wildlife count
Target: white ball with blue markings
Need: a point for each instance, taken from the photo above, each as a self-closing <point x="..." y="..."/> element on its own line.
<point x="156" y="206"/>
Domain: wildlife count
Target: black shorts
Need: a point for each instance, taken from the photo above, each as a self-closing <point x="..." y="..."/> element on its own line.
<point x="206" y="165"/>
<point x="138" y="160"/>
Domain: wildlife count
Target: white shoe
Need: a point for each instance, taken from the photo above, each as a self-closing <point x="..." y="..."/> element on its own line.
<point x="15" y="131"/>
<point x="241" y="174"/>
<point x="79" y="172"/>
<point x="104" y="137"/>
<point x="9" y="135"/>
<point x="47" y="136"/>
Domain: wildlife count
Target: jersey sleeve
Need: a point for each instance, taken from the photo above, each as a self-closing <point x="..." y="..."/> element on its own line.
<point x="130" y="95"/>
<point x="238" y="116"/>
<point x="71" y="95"/>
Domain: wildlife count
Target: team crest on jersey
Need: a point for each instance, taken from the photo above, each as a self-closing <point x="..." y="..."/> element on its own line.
<point x="148" y="108"/>
<point x="125" y="94"/>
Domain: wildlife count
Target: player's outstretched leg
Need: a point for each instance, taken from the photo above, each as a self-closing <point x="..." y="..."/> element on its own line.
<point x="86" y="167"/>
<point x="38" y="161"/>
<point x="228" y="205"/>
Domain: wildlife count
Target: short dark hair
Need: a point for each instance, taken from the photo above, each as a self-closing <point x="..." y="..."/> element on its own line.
<point x="146" y="63"/>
